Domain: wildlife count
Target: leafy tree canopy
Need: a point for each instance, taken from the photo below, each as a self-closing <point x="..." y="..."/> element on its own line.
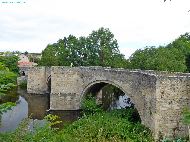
<point x="100" y="48"/>
<point x="173" y="57"/>
<point x="10" y="61"/>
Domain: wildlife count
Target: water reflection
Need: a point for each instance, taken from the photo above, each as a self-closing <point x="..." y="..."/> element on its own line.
<point x="12" y="96"/>
<point x="11" y="119"/>
<point x="34" y="107"/>
<point x="37" y="106"/>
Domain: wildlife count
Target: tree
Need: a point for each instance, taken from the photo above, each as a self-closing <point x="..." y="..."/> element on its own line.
<point x="3" y="67"/>
<point x="10" y="61"/>
<point x="74" y="49"/>
<point x="161" y="59"/>
<point x="98" y="49"/>
<point x="69" y="52"/>
<point x="104" y="49"/>
<point x="183" y="45"/>
<point x="173" y="57"/>
<point x="140" y="58"/>
<point x="63" y="52"/>
<point x="26" y="53"/>
<point x="49" y="56"/>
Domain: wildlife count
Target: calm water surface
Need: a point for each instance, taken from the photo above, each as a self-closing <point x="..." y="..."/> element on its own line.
<point x="30" y="106"/>
<point x="36" y="107"/>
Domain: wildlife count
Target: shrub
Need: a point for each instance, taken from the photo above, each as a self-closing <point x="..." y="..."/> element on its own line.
<point x="105" y="126"/>
<point x="23" y="85"/>
<point x="7" y="77"/>
<point x="89" y="105"/>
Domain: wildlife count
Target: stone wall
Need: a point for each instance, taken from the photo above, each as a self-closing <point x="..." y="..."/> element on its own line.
<point x="37" y="80"/>
<point x="172" y="96"/>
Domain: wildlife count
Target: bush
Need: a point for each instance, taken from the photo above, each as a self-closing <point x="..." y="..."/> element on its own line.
<point x="7" y="87"/>
<point x="89" y="106"/>
<point x="7" y="77"/>
<point x="23" y="85"/>
<point x="105" y="126"/>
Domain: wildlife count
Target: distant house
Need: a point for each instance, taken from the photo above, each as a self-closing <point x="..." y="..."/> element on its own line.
<point x="24" y="64"/>
<point x="24" y="61"/>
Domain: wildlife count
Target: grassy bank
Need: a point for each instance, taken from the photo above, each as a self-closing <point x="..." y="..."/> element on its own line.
<point x="95" y="125"/>
<point x="104" y="126"/>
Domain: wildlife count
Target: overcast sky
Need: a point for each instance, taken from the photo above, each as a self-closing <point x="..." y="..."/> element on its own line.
<point x="32" y="24"/>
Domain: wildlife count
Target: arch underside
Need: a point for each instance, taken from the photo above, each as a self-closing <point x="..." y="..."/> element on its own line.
<point x="137" y="105"/>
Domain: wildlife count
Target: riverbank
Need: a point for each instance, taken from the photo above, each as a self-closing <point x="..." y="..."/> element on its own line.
<point x="101" y="126"/>
<point x="7" y="83"/>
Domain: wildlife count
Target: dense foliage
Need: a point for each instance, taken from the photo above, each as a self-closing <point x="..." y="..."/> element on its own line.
<point x="90" y="107"/>
<point x="7" y="79"/>
<point x="10" y="61"/>
<point x="100" y="48"/>
<point x="174" y="57"/>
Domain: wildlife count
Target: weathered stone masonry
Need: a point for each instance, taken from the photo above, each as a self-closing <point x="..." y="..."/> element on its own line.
<point x="158" y="96"/>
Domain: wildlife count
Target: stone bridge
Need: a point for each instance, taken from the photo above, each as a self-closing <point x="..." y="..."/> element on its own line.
<point x="159" y="97"/>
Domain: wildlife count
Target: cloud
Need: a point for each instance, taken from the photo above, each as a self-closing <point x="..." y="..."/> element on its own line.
<point x="135" y="24"/>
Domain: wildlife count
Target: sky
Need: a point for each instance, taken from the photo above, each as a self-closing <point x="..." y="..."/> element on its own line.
<point x="30" y="25"/>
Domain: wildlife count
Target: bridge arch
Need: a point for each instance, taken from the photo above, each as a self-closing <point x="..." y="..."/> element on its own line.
<point x="96" y="82"/>
<point x="106" y="82"/>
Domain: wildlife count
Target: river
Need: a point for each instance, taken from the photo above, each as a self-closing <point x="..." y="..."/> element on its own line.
<point x="30" y="106"/>
<point x="36" y="107"/>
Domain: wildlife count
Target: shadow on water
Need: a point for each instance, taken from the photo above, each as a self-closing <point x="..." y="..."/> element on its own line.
<point x="30" y="106"/>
